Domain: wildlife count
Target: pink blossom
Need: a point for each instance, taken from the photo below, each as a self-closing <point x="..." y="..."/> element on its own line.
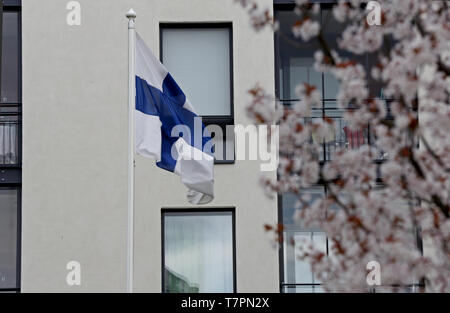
<point x="379" y="194"/>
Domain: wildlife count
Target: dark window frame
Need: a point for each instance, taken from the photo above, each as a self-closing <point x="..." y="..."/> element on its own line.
<point x="283" y="284"/>
<point x="231" y="210"/>
<point x="221" y="120"/>
<point x="11" y="174"/>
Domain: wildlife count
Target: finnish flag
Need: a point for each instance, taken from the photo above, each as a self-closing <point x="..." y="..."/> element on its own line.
<point x="168" y="129"/>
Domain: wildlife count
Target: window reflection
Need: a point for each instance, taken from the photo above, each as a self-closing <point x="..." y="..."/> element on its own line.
<point x="198" y="252"/>
<point x="344" y="137"/>
<point x="295" y="59"/>
<point x="298" y="276"/>
<point x="205" y="52"/>
<point x="9" y="138"/>
<point x="10" y="69"/>
<point x="8" y="238"/>
<point x="10" y="132"/>
<point x="303" y="289"/>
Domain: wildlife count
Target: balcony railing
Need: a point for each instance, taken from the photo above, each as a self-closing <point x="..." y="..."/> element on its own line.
<point x="342" y="136"/>
<point x="10" y="132"/>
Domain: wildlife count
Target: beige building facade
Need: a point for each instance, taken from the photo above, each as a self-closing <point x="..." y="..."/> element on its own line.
<point x="74" y="167"/>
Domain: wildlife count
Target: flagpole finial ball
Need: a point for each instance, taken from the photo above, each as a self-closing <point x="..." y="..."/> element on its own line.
<point x="131" y="14"/>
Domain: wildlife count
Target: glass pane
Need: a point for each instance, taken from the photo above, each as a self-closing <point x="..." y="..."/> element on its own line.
<point x="4" y="292"/>
<point x="8" y="237"/>
<point x="199" y="60"/>
<point x="301" y="70"/>
<point x="198" y="252"/>
<point x="331" y="30"/>
<point x="296" y="271"/>
<point x="331" y="86"/>
<point x="10" y="80"/>
<point x="295" y="58"/>
<point x="376" y="87"/>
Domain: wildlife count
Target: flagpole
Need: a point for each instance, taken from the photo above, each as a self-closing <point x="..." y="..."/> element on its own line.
<point x="131" y="15"/>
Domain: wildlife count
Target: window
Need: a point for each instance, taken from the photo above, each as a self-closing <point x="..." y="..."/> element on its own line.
<point x="11" y="90"/>
<point x="198" y="251"/>
<point x="9" y="238"/>
<point x="297" y="276"/>
<point x="10" y="124"/>
<point x="10" y="98"/>
<point x="199" y="57"/>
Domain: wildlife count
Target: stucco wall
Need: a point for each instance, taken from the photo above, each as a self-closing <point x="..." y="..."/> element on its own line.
<point x="75" y="148"/>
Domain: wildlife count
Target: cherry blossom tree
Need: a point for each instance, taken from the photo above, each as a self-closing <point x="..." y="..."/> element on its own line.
<point x="379" y="195"/>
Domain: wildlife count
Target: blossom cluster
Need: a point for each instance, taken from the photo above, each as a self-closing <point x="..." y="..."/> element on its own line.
<point x="389" y="200"/>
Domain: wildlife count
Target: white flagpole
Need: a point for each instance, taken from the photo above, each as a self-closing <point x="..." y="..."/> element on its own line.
<point x="131" y="15"/>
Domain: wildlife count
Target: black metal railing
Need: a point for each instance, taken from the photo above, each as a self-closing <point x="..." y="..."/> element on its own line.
<point x="10" y="135"/>
<point x="317" y="288"/>
<point x="301" y="288"/>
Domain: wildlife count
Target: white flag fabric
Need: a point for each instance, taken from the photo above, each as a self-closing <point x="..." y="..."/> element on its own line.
<point x="169" y="130"/>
